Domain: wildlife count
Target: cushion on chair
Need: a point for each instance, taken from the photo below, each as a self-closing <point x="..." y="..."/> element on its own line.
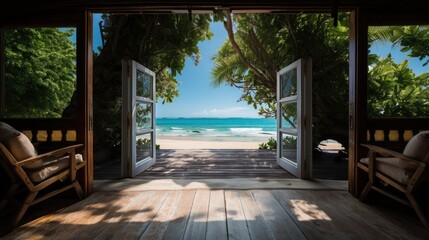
<point x="6" y="132"/>
<point x="394" y="168"/>
<point x="18" y="144"/>
<point x="51" y="166"/>
<point x="21" y="148"/>
<point x="418" y="146"/>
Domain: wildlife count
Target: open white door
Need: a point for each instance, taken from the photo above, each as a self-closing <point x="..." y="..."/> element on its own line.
<point x="138" y="118"/>
<point x="294" y="120"/>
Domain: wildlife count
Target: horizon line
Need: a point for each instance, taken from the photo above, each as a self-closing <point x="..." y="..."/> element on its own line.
<point x="216" y="117"/>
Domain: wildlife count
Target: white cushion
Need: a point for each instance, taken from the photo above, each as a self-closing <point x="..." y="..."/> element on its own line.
<point x="418" y="146"/>
<point x="393" y="168"/>
<point x="51" y="166"/>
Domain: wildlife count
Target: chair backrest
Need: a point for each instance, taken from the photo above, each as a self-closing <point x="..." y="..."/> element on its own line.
<point x="418" y="147"/>
<point x="17" y="143"/>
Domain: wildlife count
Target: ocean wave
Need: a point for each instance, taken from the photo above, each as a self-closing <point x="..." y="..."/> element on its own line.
<point x="210" y="129"/>
<point x="176" y="128"/>
<point x="242" y="130"/>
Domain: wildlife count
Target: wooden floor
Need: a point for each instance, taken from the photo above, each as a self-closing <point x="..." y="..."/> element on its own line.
<point x="224" y="163"/>
<point x="223" y="214"/>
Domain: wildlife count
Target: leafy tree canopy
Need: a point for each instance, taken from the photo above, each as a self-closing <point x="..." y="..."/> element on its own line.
<point x="394" y="90"/>
<point x="160" y="42"/>
<point x="259" y="45"/>
<point x="40" y="72"/>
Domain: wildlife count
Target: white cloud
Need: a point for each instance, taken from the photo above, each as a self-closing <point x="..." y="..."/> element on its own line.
<point x="245" y="112"/>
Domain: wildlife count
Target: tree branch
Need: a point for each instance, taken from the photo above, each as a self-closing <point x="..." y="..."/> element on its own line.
<point x="228" y="27"/>
<point x="267" y="59"/>
<point x="292" y="33"/>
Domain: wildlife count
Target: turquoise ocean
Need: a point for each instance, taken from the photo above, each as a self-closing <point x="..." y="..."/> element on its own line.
<point x="216" y="127"/>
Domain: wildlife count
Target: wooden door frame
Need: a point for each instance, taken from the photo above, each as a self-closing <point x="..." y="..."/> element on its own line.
<point x="81" y="20"/>
<point x="19" y="14"/>
<point x="85" y="97"/>
<point x="85" y="83"/>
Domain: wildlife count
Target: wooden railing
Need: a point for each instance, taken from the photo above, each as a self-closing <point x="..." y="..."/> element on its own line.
<point x="394" y="133"/>
<point x="48" y="132"/>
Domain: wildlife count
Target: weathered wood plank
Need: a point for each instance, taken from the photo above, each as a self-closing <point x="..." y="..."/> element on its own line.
<point x="280" y="224"/>
<point x="177" y="225"/>
<point x="46" y="226"/>
<point x="314" y="212"/>
<point x="365" y="216"/>
<point x="91" y="217"/>
<point x="309" y="215"/>
<point x="123" y="219"/>
<point x="236" y="220"/>
<point x="210" y="176"/>
<point x="109" y="217"/>
<point x="138" y="220"/>
<point x="256" y="225"/>
<point x="159" y="223"/>
<point x="196" y="228"/>
<point x="216" y="222"/>
<point x="326" y="165"/>
<point x="128" y="215"/>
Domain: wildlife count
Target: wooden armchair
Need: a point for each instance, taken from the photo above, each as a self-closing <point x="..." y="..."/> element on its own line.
<point x="402" y="171"/>
<point x="35" y="171"/>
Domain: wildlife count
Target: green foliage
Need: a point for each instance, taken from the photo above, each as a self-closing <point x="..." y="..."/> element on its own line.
<point x="289" y="142"/>
<point x="394" y="90"/>
<point x="145" y="143"/>
<point x="269" y="42"/>
<point x="270" y="144"/>
<point x="40" y="72"/>
<point x="414" y="39"/>
<point x="259" y="45"/>
<point x="160" y="42"/>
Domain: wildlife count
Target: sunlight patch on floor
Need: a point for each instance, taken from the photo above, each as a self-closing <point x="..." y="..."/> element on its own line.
<point x="305" y="211"/>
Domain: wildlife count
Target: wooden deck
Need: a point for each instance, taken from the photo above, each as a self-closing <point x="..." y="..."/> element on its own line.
<point x="224" y="163"/>
<point x="223" y="214"/>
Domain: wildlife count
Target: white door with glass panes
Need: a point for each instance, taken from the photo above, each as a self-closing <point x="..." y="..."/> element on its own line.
<point x="294" y="119"/>
<point x="138" y="118"/>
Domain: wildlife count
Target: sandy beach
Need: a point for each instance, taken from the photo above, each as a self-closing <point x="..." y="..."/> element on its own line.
<point x="175" y="142"/>
<point x="179" y="142"/>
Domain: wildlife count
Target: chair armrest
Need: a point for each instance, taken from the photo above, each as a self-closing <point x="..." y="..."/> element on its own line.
<point x="387" y="152"/>
<point x="55" y="153"/>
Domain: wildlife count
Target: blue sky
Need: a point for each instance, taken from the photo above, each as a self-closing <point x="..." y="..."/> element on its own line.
<point x="383" y="49"/>
<point x="197" y="97"/>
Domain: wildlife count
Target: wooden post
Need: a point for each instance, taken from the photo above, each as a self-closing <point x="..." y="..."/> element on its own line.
<point x="84" y="93"/>
<point x="2" y="72"/>
<point x="89" y="101"/>
<point x="358" y="72"/>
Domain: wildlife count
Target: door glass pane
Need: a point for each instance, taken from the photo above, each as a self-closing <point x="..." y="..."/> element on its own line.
<point x="144" y="85"/>
<point x="143" y="116"/>
<point x="143" y="146"/>
<point x="289" y="117"/>
<point x="289" y="147"/>
<point x="288" y="84"/>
